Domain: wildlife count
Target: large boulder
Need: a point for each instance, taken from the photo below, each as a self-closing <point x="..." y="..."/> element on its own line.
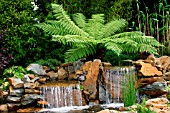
<point x="90" y="84"/>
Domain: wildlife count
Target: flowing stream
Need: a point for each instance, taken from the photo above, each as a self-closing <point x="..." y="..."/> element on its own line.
<point x="114" y="78"/>
<point x="60" y="94"/>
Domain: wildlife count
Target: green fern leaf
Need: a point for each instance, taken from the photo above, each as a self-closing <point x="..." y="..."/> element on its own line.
<point x="66" y="22"/>
<point x="79" y="52"/>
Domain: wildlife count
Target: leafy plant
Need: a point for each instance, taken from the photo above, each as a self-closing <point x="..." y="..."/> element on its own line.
<point x="16" y="71"/>
<point x="141" y="108"/>
<point x="89" y="36"/>
<point x="129" y="90"/>
<point x="51" y="63"/>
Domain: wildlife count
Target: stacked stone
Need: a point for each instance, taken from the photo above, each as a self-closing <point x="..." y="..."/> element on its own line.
<point x="153" y="74"/>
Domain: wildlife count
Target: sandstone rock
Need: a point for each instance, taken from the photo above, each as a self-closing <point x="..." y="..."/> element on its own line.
<point x="13" y="106"/>
<point x="72" y="76"/>
<point x="29" y="110"/>
<point x="31" y="76"/>
<point x="91" y="78"/>
<point x="107" y="65"/>
<point x="32" y="91"/>
<point x="52" y="74"/>
<point x="145" y="81"/>
<point x="45" y="68"/>
<point x="42" y="80"/>
<point x="37" y="69"/>
<point x="159" y="105"/>
<point x="16" y="82"/>
<point x="62" y="74"/>
<point x="87" y="66"/>
<point x="79" y="72"/>
<point x="30" y="85"/>
<point x="3" y="108"/>
<point x="147" y="69"/>
<point x="34" y="80"/>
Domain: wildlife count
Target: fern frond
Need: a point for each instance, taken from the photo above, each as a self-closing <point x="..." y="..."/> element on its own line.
<point x="115" y="26"/>
<point x="66" y="22"/>
<point x="80" y="20"/>
<point x="95" y="24"/>
<point x="72" y="39"/>
<point x="79" y="52"/>
<point x="50" y="29"/>
<point x="127" y="34"/>
<point x="147" y="48"/>
<point x="146" y="40"/>
<point x="114" y="47"/>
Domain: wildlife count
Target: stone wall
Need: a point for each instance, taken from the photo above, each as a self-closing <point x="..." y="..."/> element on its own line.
<point x="153" y="76"/>
<point x="26" y="92"/>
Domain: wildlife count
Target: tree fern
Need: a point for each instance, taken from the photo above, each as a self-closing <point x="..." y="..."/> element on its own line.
<point x="85" y="36"/>
<point x="66" y="22"/>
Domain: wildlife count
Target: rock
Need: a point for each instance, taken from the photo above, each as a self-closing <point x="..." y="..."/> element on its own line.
<point x="73" y="76"/>
<point x="71" y="69"/>
<point x="156" y="89"/>
<point x="13" y="106"/>
<point x="16" y="82"/>
<point x="34" y="80"/>
<point x="28" y="99"/>
<point x="16" y="92"/>
<point x="13" y="99"/>
<point x="32" y="91"/>
<point x="106" y="111"/>
<point x="52" y="74"/>
<point x="78" y="64"/>
<point x="26" y="78"/>
<point x="3" y="108"/>
<point x="91" y="78"/>
<point x="159" y="105"/>
<point x="30" y="85"/>
<point x="81" y="78"/>
<point x="145" y="81"/>
<point x="87" y="66"/>
<point x="62" y="74"/>
<point x="42" y="103"/>
<point x="31" y="76"/>
<point x="107" y="65"/>
<point x="42" y="80"/>
<point x="37" y="69"/>
<point x="79" y="72"/>
<point x="147" y="69"/>
<point x="29" y="110"/>
<point x="45" y="68"/>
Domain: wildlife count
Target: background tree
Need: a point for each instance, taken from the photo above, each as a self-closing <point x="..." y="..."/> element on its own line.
<point x="24" y="42"/>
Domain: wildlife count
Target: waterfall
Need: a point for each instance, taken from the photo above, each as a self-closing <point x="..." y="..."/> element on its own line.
<point x="114" y="77"/>
<point x="60" y="94"/>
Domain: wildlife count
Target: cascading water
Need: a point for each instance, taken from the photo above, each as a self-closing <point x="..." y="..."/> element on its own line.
<point x="114" y="77"/>
<point x="61" y="94"/>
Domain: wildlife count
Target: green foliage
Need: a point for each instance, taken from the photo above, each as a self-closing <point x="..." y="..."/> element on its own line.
<point x="26" y="42"/>
<point x="114" y="59"/>
<point x="129" y="90"/>
<point x="81" y="87"/>
<point x="50" y="63"/>
<point x="16" y="71"/>
<point x="94" y="34"/>
<point x="141" y="108"/>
